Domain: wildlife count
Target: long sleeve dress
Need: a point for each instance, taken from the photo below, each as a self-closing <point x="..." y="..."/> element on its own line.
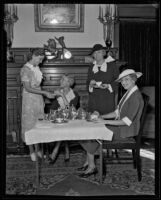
<point x="129" y="110"/>
<point x="32" y="104"/>
<point x="103" y="100"/>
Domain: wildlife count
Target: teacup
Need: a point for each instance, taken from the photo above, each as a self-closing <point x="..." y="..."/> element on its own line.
<point x="59" y="120"/>
<point x="99" y="83"/>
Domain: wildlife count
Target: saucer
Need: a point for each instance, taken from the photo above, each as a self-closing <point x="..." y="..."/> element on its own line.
<point x="59" y="122"/>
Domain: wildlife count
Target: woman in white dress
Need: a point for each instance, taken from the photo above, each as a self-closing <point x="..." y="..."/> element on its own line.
<point x="32" y="95"/>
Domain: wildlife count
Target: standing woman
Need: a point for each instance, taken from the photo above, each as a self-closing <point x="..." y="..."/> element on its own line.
<point x="32" y="95"/>
<point x="102" y="97"/>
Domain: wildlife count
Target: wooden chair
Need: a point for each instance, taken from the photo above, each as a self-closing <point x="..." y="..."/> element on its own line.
<point x="134" y="145"/>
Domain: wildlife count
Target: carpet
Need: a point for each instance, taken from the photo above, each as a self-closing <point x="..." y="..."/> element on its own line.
<point x="62" y="178"/>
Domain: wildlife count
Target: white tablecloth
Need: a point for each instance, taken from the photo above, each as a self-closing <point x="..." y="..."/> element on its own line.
<point x="46" y="131"/>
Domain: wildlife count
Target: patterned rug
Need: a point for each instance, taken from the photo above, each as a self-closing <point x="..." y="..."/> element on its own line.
<point x="62" y="178"/>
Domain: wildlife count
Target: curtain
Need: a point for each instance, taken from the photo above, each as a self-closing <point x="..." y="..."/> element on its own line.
<point x="139" y="47"/>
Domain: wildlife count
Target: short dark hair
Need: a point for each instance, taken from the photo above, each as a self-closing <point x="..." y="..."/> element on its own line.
<point x="36" y="52"/>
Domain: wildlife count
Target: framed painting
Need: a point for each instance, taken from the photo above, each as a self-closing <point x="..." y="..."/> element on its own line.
<point x="59" y="17"/>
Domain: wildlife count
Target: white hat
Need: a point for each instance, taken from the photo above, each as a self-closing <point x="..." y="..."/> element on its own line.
<point x="128" y="72"/>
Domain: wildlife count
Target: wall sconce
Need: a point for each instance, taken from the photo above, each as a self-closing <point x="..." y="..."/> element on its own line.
<point x="10" y="17"/>
<point x="108" y="20"/>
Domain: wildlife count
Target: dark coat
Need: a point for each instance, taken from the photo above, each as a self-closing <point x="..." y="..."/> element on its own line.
<point x="102" y="100"/>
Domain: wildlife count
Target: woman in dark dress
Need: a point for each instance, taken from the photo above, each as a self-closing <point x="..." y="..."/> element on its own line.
<point x="102" y="97"/>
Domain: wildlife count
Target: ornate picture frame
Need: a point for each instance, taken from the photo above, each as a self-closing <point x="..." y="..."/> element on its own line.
<point x="59" y="17"/>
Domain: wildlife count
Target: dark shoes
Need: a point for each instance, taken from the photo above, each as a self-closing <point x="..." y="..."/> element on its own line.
<point x="82" y="168"/>
<point x="66" y="160"/>
<point x="51" y="161"/>
<point x="86" y="175"/>
<point x="53" y="158"/>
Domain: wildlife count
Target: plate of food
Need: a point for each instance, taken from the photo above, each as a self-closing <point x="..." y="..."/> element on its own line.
<point x="93" y="117"/>
<point x="59" y="121"/>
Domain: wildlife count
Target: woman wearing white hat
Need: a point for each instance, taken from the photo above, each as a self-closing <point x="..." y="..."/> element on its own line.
<point x="124" y="121"/>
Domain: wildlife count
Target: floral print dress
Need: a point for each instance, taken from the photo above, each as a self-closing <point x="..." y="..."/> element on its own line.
<point x="32" y="104"/>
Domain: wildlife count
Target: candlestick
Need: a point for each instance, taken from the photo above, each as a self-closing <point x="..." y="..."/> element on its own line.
<point x="116" y="11"/>
<point x="102" y="13"/>
<point x="16" y="10"/>
<point x="13" y="9"/>
<point x="111" y="11"/>
<point x="107" y="9"/>
<point x="6" y="8"/>
<point x="108" y="21"/>
<point x="10" y="18"/>
<point x="99" y="12"/>
<point x="10" y="9"/>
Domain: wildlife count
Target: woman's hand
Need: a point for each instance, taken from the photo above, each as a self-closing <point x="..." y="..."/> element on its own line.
<point x="104" y="86"/>
<point x="49" y="95"/>
<point x="92" y="83"/>
<point x="58" y="93"/>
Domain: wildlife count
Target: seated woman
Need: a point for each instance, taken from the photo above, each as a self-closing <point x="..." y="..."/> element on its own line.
<point x="68" y="98"/>
<point x="124" y="121"/>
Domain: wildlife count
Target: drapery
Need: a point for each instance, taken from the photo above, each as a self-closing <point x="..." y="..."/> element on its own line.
<point x="139" y="47"/>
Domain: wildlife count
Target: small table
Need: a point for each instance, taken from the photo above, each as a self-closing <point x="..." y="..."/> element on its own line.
<point x="46" y="131"/>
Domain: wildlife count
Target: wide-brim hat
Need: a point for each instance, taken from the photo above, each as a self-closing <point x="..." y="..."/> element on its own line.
<point x="128" y="72"/>
<point x="97" y="47"/>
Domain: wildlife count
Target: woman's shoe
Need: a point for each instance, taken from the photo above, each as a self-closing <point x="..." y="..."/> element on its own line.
<point x="81" y="169"/>
<point x="66" y="159"/>
<point x="86" y="175"/>
<point x="51" y="161"/>
<point x="33" y="156"/>
<point x="52" y="158"/>
<point x="39" y="153"/>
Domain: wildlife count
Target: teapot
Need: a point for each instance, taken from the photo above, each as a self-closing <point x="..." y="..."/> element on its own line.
<point x="81" y="113"/>
<point x="72" y="112"/>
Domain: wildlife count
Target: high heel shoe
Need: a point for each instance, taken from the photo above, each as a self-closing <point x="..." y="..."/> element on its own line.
<point x="33" y="156"/>
<point x="66" y="159"/>
<point x="83" y="168"/>
<point x="86" y="175"/>
<point x="39" y="153"/>
<point x="52" y="159"/>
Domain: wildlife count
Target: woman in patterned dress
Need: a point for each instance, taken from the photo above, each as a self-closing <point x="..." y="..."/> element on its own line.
<point x="70" y="98"/>
<point x="32" y="95"/>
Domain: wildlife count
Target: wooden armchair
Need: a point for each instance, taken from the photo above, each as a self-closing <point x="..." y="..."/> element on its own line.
<point x="134" y="145"/>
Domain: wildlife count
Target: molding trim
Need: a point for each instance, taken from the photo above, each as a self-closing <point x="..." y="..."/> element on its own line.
<point x="79" y="55"/>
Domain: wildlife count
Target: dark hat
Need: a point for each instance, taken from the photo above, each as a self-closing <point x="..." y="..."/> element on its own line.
<point x="37" y="51"/>
<point x="97" y="47"/>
